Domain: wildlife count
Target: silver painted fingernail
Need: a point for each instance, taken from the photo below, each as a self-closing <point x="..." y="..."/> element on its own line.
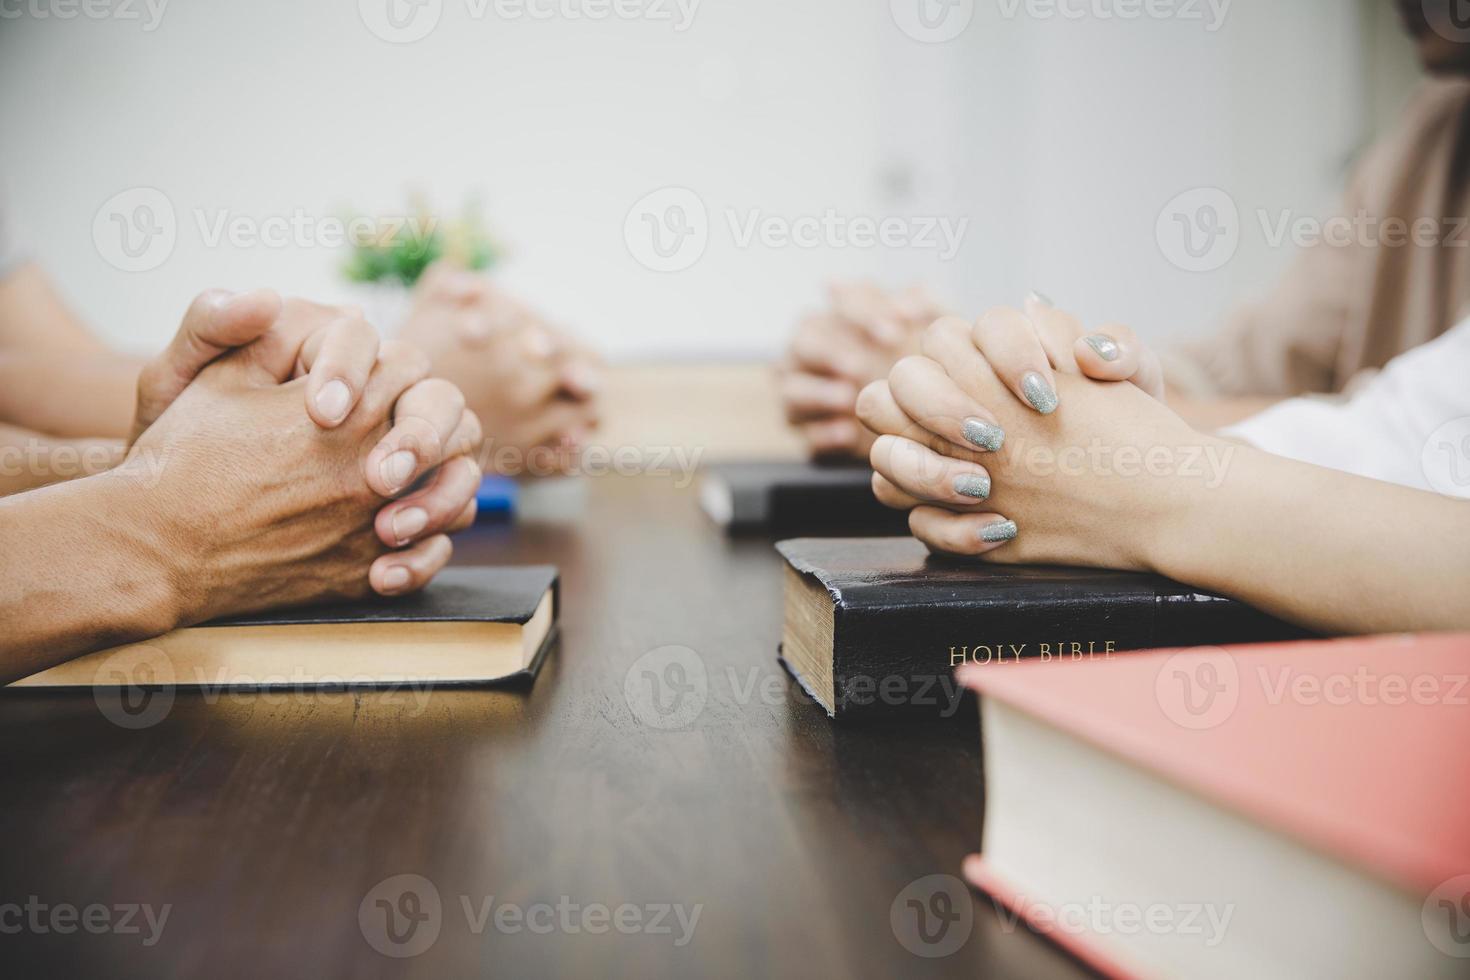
<point x="972" y="485"/>
<point x="986" y="435"/>
<point x="1106" y="347"/>
<point x="1039" y="393"/>
<point x="1041" y="298"/>
<point x="997" y="531"/>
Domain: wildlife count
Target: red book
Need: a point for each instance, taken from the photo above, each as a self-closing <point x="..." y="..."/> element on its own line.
<point x="1293" y="810"/>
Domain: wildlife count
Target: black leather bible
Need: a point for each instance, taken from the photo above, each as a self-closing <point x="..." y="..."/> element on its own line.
<point x="471" y="625"/>
<point x="874" y="627"/>
<point x="796" y="498"/>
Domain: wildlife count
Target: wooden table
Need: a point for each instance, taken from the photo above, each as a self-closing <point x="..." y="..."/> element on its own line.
<point x="265" y="821"/>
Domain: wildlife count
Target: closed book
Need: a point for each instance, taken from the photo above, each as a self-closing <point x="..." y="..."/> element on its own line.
<point x="796" y="498"/>
<point x="1275" y="811"/>
<point x="470" y="625"/>
<point x="874" y="627"/>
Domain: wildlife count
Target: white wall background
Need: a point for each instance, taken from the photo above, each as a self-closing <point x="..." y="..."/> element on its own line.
<point x="1059" y="139"/>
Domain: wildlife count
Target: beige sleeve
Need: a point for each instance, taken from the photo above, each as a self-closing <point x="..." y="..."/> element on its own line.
<point x="1285" y="343"/>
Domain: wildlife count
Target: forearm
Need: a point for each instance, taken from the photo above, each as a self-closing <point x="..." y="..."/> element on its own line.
<point x="1209" y="414"/>
<point x="1324" y="549"/>
<point x="29" y="460"/>
<point x="91" y="395"/>
<point x="84" y="569"/>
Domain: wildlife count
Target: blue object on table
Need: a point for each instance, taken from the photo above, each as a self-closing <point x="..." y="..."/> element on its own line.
<point x="497" y="496"/>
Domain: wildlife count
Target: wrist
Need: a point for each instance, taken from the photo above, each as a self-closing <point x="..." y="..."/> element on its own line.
<point x="147" y="553"/>
<point x="1197" y="509"/>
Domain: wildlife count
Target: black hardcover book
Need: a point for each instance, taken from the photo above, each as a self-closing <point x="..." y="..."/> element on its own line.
<point x="471" y="625"/>
<point x="874" y="627"/>
<point x="796" y="498"/>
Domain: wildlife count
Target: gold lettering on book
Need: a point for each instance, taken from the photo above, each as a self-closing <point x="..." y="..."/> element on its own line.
<point x="1004" y="653"/>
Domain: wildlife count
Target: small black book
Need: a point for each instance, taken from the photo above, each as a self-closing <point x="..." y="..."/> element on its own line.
<point x="468" y="626"/>
<point x="874" y="627"/>
<point x="796" y="498"/>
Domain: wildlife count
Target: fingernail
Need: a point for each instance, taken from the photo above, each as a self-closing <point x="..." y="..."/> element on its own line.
<point x="997" y="531"/>
<point x="1039" y="393"/>
<point x="397" y="468"/>
<point x="1105" y="346"/>
<point x="396" y="578"/>
<point x="332" y="400"/>
<point x="408" y="522"/>
<point x="986" y="435"/>
<point x="972" y="485"/>
<point x="1040" y="298"/>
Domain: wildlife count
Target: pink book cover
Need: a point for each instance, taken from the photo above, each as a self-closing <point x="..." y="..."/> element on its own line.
<point x="1359" y="747"/>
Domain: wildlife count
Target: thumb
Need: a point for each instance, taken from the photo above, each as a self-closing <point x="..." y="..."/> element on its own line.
<point x="217" y="321"/>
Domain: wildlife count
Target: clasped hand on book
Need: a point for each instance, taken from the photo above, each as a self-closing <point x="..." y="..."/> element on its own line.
<point x="1025" y="438"/>
<point x="280" y="455"/>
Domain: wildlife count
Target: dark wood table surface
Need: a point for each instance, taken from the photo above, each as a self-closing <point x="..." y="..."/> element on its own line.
<point x="266" y="823"/>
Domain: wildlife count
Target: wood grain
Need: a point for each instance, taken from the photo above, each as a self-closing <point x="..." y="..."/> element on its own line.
<point x="264" y="820"/>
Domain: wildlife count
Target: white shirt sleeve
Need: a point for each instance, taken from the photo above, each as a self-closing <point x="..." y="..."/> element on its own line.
<point x="1409" y="425"/>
